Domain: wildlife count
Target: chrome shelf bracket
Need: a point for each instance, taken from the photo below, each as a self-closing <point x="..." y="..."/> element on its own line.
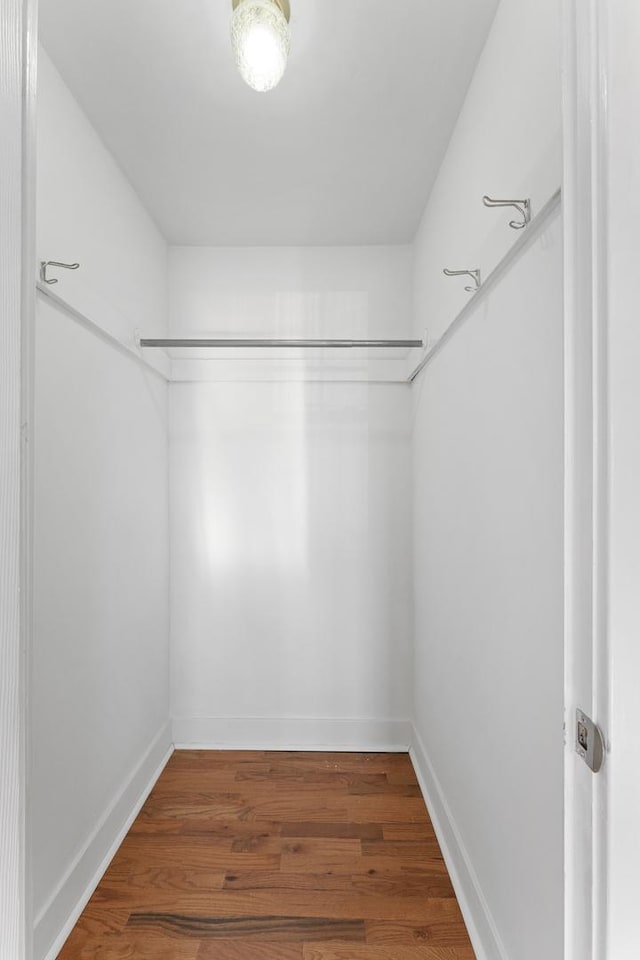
<point x="474" y="274"/>
<point x="522" y="206"/>
<point x="54" y="263"/>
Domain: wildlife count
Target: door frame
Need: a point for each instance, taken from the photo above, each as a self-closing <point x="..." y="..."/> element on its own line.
<point x="586" y="680"/>
<point x="18" y="32"/>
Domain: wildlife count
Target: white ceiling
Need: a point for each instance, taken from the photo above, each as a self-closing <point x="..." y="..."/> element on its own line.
<point x="344" y="151"/>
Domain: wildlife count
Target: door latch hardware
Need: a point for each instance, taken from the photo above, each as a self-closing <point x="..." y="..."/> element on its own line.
<point x="589" y="742"/>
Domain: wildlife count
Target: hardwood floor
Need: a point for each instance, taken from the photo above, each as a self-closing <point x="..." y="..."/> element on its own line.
<point x="277" y="856"/>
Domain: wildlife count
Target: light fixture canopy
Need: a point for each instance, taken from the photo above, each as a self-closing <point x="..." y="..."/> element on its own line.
<point x="260" y="37"/>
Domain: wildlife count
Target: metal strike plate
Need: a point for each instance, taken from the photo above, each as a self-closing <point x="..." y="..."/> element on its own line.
<point x="589" y="742"/>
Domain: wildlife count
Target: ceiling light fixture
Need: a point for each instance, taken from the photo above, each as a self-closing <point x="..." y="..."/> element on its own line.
<point x="260" y="37"/>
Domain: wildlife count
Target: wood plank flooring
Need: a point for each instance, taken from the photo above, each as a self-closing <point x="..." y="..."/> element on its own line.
<point x="242" y="855"/>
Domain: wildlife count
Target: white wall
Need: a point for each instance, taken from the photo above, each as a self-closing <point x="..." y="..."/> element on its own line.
<point x="290" y="529"/>
<point x="89" y="213"/>
<point x="488" y="503"/>
<point x="99" y="686"/>
<point x="507" y="143"/>
<point x="292" y="292"/>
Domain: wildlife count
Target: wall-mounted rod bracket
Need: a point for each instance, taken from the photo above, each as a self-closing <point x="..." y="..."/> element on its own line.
<point x="474" y="274"/>
<point x="522" y="206"/>
<point x="54" y="263"/>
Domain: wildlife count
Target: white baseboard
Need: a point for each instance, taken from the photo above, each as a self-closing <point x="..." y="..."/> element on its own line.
<point x="59" y="915"/>
<point x="251" y="733"/>
<point x="475" y="910"/>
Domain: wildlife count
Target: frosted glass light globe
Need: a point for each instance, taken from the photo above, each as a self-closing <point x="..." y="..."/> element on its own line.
<point x="260" y="37"/>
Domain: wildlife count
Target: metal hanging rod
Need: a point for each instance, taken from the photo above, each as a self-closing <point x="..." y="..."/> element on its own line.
<point x="522" y="206"/>
<point x="205" y="342"/>
<point x="474" y="274"/>
<point x="512" y="255"/>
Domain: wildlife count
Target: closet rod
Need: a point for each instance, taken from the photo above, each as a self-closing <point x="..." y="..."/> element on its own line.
<point x="208" y="342"/>
<point x="527" y="237"/>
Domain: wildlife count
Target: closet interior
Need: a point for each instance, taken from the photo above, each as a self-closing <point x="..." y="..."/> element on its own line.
<point x="298" y="454"/>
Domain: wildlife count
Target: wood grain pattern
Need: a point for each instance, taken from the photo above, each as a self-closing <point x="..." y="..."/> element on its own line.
<point x="346" y="831"/>
<point x="237" y="950"/>
<point x="442" y="932"/>
<point x="334" y="952"/>
<point x="249" y="928"/>
<point x="277" y="856"/>
<point x="281" y="881"/>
